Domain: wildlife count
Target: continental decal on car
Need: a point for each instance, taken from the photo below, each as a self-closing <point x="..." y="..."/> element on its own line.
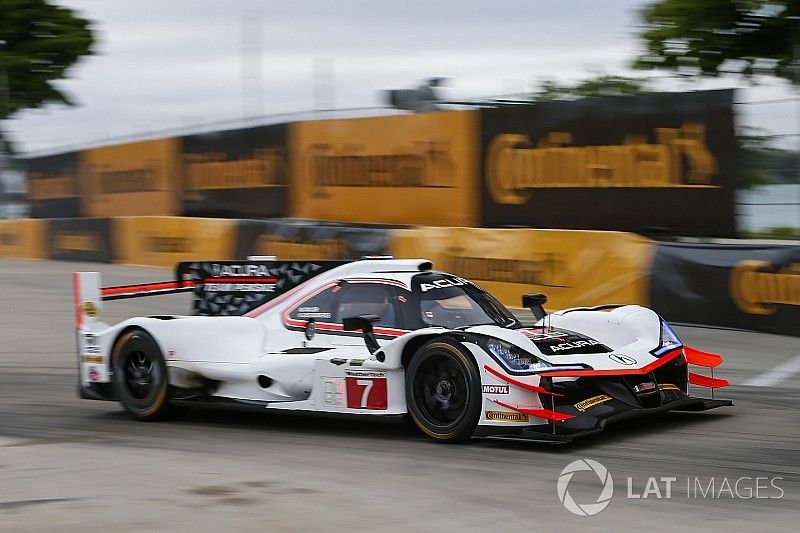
<point x="757" y="289"/>
<point x="506" y="416"/>
<point x="591" y="402"/>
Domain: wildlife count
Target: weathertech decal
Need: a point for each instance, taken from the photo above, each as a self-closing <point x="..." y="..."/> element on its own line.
<point x="591" y="402"/>
<point x="506" y="416"/>
<point x="495" y="389"/>
<point x="555" y="341"/>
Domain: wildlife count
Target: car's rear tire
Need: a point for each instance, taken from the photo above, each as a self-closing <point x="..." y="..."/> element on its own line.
<point x="140" y="376"/>
<point x="443" y="391"/>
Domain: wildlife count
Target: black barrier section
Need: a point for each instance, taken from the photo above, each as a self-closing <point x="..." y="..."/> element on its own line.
<point x="54" y="186"/>
<point x="236" y="173"/>
<point x="664" y="163"/>
<point x="306" y="239"/>
<point x="741" y="286"/>
<point x="234" y="288"/>
<point x="80" y="239"/>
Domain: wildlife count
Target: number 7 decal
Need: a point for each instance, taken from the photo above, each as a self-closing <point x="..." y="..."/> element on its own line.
<point x="366" y="393"/>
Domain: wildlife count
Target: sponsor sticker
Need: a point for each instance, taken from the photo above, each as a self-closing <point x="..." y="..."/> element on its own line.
<point x="90" y="309"/>
<point x="366" y="389"/>
<point x="506" y="416"/>
<point x="94" y="374"/>
<point x="334" y="391"/>
<point x="356" y="362"/>
<point x="644" y="387"/>
<point x="591" y="402"/>
<point x="668" y="386"/>
<point x="495" y="389"/>
<point x="94" y="359"/>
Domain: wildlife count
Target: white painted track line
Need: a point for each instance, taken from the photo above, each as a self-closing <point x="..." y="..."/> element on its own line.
<point x="780" y="373"/>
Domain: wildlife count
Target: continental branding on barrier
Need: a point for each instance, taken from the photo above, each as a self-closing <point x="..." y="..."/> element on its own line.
<point x="295" y="249"/>
<point x="543" y="269"/>
<point x="138" y="178"/>
<point x="678" y="158"/>
<point x="758" y="288"/>
<point x="574" y="268"/>
<point x="22" y="239"/>
<point x="420" y="165"/>
<point x="398" y="170"/>
<point x="164" y="241"/>
<point x="265" y="167"/>
<point x="76" y="241"/>
<point x="45" y="187"/>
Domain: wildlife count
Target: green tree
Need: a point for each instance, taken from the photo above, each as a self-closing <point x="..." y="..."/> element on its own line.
<point x="714" y="37"/>
<point x="600" y="85"/>
<point x="39" y="41"/>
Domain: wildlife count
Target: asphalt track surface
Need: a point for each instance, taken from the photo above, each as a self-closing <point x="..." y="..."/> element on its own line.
<point x="71" y="464"/>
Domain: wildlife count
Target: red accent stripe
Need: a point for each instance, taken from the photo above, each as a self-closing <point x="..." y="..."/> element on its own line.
<point x="275" y="301"/>
<point x="701" y="358"/>
<point x="147" y="287"/>
<point x="520" y="384"/>
<point x="140" y="288"/>
<point x="547" y="414"/>
<point x="240" y="280"/>
<point x="705" y="381"/>
<point x="664" y="359"/>
<point x="76" y="289"/>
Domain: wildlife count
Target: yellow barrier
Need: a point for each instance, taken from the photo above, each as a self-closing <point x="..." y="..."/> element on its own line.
<point x="574" y="268"/>
<point x="164" y="241"/>
<point x="402" y="169"/>
<point x="23" y="239"/>
<point x="138" y="178"/>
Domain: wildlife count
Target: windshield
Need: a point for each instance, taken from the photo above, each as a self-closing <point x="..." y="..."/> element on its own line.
<point x="451" y="302"/>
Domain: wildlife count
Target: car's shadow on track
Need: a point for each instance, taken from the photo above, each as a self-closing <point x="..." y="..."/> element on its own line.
<point x="215" y="419"/>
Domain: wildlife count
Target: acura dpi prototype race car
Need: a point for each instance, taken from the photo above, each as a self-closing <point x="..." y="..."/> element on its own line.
<point x="385" y="337"/>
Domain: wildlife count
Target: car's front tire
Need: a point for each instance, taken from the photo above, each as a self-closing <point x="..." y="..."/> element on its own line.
<point x="443" y="391"/>
<point x="140" y="376"/>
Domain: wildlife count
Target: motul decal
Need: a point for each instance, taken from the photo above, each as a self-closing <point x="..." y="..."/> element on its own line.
<point x="495" y="389"/>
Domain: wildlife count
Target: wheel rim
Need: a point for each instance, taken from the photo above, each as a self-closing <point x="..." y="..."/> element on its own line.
<point x="141" y="374"/>
<point x="441" y="390"/>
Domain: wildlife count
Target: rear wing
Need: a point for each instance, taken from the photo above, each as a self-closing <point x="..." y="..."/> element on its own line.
<point x="219" y="288"/>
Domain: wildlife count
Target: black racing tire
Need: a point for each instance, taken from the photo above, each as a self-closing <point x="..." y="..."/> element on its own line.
<point x="443" y="391"/>
<point x="140" y="376"/>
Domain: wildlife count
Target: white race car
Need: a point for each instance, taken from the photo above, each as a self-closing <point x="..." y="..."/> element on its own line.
<point x="384" y="337"/>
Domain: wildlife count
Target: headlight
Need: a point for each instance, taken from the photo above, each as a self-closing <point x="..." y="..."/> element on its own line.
<point x="514" y="358"/>
<point x="669" y="339"/>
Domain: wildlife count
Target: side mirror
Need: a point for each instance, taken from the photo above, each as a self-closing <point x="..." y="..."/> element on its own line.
<point x="364" y="323"/>
<point x="311" y="329"/>
<point x="535" y="302"/>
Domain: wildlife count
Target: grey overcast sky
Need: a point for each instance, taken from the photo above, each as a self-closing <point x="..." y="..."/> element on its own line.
<point x="172" y="64"/>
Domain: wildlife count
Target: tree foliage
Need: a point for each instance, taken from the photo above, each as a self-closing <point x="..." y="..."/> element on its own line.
<point x="40" y="41"/>
<point x="714" y="37"/>
<point x="600" y="85"/>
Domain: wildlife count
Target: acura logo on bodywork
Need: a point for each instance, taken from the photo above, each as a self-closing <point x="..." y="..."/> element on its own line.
<point x="622" y="359"/>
